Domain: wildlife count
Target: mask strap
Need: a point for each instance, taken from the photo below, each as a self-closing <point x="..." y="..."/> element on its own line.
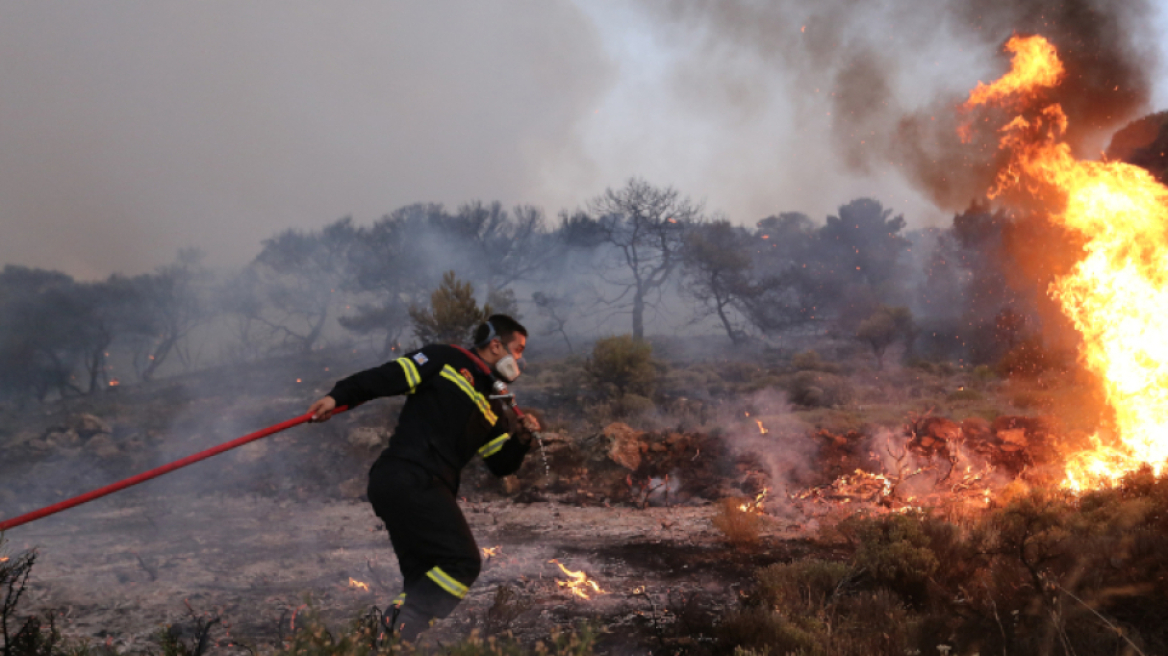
<point x="491" y="334"/>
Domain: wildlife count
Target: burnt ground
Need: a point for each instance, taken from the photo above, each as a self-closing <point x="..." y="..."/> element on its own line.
<point x="118" y="572"/>
<point x="250" y="536"/>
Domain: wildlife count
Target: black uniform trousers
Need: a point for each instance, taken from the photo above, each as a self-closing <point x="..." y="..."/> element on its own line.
<point x="437" y="554"/>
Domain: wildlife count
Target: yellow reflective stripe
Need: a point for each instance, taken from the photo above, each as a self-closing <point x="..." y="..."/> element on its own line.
<point x="412" y="376"/>
<point x="491" y="448"/>
<point x="447" y="582"/>
<point x="453" y="376"/>
<point x="399" y="600"/>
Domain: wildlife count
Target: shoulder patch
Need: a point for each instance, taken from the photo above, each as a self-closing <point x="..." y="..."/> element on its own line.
<point x="467" y="375"/>
<point x="420" y="358"/>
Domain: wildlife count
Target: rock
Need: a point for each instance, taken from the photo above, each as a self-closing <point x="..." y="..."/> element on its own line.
<point x="354" y="488"/>
<point x="367" y="438"/>
<point x="86" y="425"/>
<point x="625" y="445"/>
<point x="63" y="440"/>
<point x="39" y="445"/>
<point x="975" y="429"/>
<point x="1016" y="436"/>
<point x="101" y="446"/>
<point x="940" y="429"/>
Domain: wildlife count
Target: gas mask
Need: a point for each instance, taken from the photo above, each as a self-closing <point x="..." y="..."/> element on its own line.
<point x="507" y="368"/>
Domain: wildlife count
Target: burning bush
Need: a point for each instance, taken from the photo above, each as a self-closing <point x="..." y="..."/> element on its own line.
<point x="1041" y="572"/>
<point x="741" y="527"/>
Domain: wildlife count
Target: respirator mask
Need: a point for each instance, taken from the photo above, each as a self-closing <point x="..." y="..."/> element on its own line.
<point x="508" y="368"/>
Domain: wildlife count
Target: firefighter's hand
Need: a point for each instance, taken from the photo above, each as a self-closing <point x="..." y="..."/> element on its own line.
<point x="322" y="409"/>
<point x="530" y="424"/>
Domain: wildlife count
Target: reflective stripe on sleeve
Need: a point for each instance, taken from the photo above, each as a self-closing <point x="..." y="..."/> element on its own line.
<point x="491" y="448"/>
<point x="447" y="582"/>
<point x="453" y="376"/>
<point x="412" y="377"/>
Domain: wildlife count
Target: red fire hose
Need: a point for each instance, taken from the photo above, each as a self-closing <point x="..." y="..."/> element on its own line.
<point x="157" y="471"/>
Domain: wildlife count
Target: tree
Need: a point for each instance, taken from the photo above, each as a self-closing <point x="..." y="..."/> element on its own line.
<point x="169" y="305"/>
<point x="54" y="329"/>
<point x="644" y="225"/>
<point x="787" y="292"/>
<point x="391" y="268"/>
<point x="716" y="260"/>
<point x="453" y="314"/>
<point x="555" y="309"/>
<point x="505" y="247"/>
<point x="302" y="275"/>
<point x="884" y="327"/>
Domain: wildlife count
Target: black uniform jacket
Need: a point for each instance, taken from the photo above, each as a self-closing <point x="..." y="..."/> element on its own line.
<point x="447" y="418"/>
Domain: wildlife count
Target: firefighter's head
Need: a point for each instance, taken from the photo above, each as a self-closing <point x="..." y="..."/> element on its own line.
<point x="500" y="342"/>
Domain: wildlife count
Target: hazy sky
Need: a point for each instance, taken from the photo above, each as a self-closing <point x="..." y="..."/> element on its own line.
<point x="130" y="129"/>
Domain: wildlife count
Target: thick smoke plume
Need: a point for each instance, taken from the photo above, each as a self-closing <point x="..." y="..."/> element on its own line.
<point x="870" y="61"/>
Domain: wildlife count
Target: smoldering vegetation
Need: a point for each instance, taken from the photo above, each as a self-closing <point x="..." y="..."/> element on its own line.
<point x="773" y="378"/>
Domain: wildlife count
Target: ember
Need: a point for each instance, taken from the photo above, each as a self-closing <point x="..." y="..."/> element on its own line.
<point x="761" y="429"/>
<point x="490" y="552"/>
<point x="1116" y="294"/>
<point x="579" y="582"/>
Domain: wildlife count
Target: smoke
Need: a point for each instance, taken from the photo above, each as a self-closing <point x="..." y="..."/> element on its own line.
<point x="888" y="77"/>
<point x="132" y="129"/>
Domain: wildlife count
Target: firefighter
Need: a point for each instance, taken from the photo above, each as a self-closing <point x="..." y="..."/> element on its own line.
<point x="447" y="419"/>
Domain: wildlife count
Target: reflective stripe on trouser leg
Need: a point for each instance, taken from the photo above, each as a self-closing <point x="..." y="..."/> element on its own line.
<point x="430" y="598"/>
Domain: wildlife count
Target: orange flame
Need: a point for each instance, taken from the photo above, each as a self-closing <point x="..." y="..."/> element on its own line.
<point x="756" y="505"/>
<point x="354" y="583"/>
<point x="1117" y="294"/>
<point x="761" y="429"/>
<point x="1035" y="65"/>
<point x="490" y="552"/>
<point x="578" y="583"/>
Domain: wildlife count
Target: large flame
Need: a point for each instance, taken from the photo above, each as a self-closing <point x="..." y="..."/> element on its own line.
<point x="1117" y="294"/>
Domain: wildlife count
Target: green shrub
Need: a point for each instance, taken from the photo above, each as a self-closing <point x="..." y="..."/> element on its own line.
<point x="894" y="551"/>
<point x="818" y="390"/>
<point x="804" y="584"/>
<point x="453" y="313"/>
<point x="620" y="366"/>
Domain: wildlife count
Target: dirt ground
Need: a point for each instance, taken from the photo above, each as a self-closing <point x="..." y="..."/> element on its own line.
<point x="120" y="569"/>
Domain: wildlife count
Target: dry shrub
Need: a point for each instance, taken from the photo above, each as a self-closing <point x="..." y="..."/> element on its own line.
<point x="506" y="608"/>
<point x="741" y="528"/>
<point x="812" y="361"/>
